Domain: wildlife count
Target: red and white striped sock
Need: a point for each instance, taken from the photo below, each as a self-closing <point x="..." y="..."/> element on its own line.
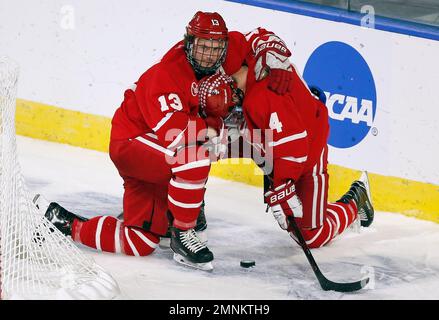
<point x="318" y="237"/>
<point x="339" y="217"/>
<point x="343" y="214"/>
<point x="187" y="187"/>
<point x="106" y="233"/>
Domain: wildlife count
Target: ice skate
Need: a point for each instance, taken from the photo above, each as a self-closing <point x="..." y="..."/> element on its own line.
<point x="189" y="250"/>
<point x="60" y="217"/>
<point x="360" y="193"/>
<point x="200" y="229"/>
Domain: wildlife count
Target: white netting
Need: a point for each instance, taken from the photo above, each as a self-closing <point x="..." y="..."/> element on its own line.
<point x="36" y="260"/>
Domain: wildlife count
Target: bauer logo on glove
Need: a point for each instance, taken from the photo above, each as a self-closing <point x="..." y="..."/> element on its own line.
<point x="278" y="46"/>
<point x="285" y="191"/>
<point x="271" y="55"/>
<point x="284" y="202"/>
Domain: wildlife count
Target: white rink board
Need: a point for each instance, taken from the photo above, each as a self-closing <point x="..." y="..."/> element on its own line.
<point x="83" y="56"/>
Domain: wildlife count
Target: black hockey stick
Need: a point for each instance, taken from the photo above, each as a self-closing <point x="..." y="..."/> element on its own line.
<point x="325" y="283"/>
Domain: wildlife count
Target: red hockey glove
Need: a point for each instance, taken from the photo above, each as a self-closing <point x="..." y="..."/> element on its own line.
<point x="284" y="202"/>
<point x="280" y="81"/>
<point x="271" y="56"/>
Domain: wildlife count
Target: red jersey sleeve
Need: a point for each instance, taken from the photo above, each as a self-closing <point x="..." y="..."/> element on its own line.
<point x="237" y="51"/>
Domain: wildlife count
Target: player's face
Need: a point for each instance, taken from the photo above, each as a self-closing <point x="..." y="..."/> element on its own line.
<point x="207" y="52"/>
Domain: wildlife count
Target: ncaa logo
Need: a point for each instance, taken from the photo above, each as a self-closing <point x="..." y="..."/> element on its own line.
<point x="345" y="77"/>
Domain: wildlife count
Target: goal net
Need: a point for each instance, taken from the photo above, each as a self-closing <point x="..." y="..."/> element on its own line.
<point x="36" y="260"/>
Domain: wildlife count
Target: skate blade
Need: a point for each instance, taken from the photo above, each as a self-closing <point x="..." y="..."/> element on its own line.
<point x="207" y="266"/>
<point x="365" y="179"/>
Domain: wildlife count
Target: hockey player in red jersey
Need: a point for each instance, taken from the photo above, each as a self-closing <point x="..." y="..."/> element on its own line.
<point x="291" y="132"/>
<point x="158" y="144"/>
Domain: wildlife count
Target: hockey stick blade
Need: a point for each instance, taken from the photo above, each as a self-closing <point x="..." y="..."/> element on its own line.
<point x="325" y="283"/>
<point x="329" y="285"/>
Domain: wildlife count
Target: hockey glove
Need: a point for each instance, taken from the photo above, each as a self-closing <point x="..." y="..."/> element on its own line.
<point x="280" y="81"/>
<point x="283" y="202"/>
<point x="271" y="56"/>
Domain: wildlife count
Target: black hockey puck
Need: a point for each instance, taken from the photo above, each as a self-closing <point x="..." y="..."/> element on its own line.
<point x="247" y="263"/>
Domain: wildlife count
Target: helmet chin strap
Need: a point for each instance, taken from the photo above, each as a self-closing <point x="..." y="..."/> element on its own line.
<point x="199" y="74"/>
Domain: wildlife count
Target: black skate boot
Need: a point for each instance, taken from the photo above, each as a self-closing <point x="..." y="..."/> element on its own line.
<point x="201" y="220"/>
<point x="60" y="217"/>
<point x="201" y="226"/>
<point x="200" y="229"/>
<point x="189" y="250"/>
<point x="360" y="193"/>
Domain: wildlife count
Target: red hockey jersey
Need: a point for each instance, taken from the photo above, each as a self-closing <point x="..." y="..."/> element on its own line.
<point x="297" y="124"/>
<point x="165" y="100"/>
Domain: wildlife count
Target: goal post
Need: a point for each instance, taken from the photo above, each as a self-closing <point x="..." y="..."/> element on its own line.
<point x="36" y="260"/>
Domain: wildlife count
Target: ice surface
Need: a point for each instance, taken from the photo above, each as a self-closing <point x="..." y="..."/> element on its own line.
<point x="400" y="253"/>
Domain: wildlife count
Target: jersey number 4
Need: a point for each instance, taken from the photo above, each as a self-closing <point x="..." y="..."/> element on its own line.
<point x="172" y="101"/>
<point x="275" y="124"/>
